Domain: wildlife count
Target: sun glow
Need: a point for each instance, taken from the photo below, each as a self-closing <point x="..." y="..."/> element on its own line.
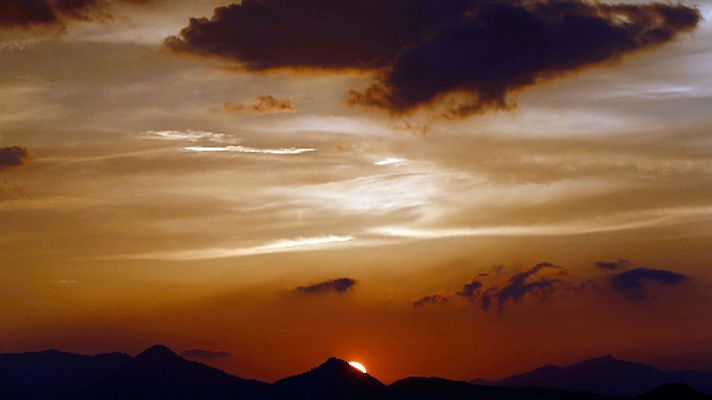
<point x="358" y="366"/>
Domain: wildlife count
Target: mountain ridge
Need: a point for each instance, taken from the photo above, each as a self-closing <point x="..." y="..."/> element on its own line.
<point x="160" y="373"/>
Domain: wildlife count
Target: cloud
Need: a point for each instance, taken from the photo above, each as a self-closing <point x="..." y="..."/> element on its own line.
<point x="200" y="354"/>
<point x="30" y="13"/>
<point x="612" y="265"/>
<point x="432" y="299"/>
<point x="542" y="280"/>
<point x="191" y="135"/>
<point x="521" y="284"/>
<point x="390" y="161"/>
<point x="261" y="105"/>
<point x="341" y="285"/>
<point x="312" y="243"/>
<point x="463" y="56"/>
<point x="545" y="280"/>
<point x="633" y="283"/>
<point x="13" y="156"/>
<point x="243" y="149"/>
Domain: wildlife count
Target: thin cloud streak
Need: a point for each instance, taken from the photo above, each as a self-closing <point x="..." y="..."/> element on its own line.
<point x="390" y="161"/>
<point x="279" y="246"/>
<point x="190" y="135"/>
<point x="243" y="149"/>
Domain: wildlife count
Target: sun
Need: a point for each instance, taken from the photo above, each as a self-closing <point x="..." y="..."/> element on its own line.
<point x="358" y="366"/>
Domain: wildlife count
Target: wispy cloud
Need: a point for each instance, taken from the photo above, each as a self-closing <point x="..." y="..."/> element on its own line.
<point x="243" y="149"/>
<point x="390" y="161"/>
<point x="278" y="246"/>
<point x="190" y="135"/>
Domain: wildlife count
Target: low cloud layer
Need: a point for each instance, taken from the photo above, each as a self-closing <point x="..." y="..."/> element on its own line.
<point x="499" y="289"/>
<point x="261" y="105"/>
<point x="12" y="156"/>
<point x="31" y="13"/>
<point x="200" y="354"/>
<point x="341" y="285"/>
<point x="462" y="56"/>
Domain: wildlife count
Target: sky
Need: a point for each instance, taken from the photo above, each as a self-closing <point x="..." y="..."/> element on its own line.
<point x="462" y="189"/>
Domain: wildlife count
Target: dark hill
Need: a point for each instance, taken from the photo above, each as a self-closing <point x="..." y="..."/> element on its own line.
<point x="443" y="389"/>
<point x="674" y="391"/>
<point x="54" y="374"/>
<point x="333" y="380"/>
<point x="159" y="373"/>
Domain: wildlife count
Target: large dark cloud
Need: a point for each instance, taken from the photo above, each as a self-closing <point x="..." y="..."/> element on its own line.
<point x="13" y="156"/>
<point x="422" y="51"/>
<point x="341" y="285"/>
<point x="632" y="283"/>
<point x="518" y="285"/>
<point x="29" y="13"/>
<point x="200" y="354"/>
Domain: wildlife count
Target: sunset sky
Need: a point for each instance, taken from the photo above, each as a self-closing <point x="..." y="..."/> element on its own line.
<point x="456" y="188"/>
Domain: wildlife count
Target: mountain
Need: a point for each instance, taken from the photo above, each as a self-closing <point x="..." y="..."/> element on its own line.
<point x="608" y="375"/>
<point x="159" y="373"/>
<point x="674" y="391"/>
<point x="54" y="374"/>
<point x="333" y="380"/>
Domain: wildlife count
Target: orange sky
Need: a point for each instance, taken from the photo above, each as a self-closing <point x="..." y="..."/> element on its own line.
<point x="179" y="200"/>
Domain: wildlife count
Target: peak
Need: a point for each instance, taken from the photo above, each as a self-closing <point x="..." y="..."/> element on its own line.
<point x="335" y="361"/>
<point x="158" y="351"/>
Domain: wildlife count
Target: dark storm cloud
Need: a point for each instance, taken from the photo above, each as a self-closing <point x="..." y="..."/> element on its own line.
<point x="612" y="265"/>
<point x="13" y="156"/>
<point x="432" y="299"/>
<point x="420" y="51"/>
<point x="341" y="285"/>
<point x="632" y="283"/>
<point x="29" y="13"/>
<point x="200" y="354"/>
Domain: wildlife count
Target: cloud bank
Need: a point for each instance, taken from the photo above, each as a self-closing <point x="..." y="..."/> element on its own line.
<point x="463" y="56"/>
<point x="499" y="289"/>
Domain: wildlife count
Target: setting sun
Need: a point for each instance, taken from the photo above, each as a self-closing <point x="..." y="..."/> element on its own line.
<point x="358" y="366"/>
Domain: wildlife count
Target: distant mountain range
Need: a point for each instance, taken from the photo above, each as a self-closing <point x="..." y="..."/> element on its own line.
<point x="158" y="373"/>
<point x="607" y="375"/>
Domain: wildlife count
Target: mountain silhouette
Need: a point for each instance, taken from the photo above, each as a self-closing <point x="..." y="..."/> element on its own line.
<point x="674" y="391"/>
<point x="333" y="380"/>
<point x="608" y="375"/>
<point x="159" y="373"/>
<point x="53" y="374"/>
